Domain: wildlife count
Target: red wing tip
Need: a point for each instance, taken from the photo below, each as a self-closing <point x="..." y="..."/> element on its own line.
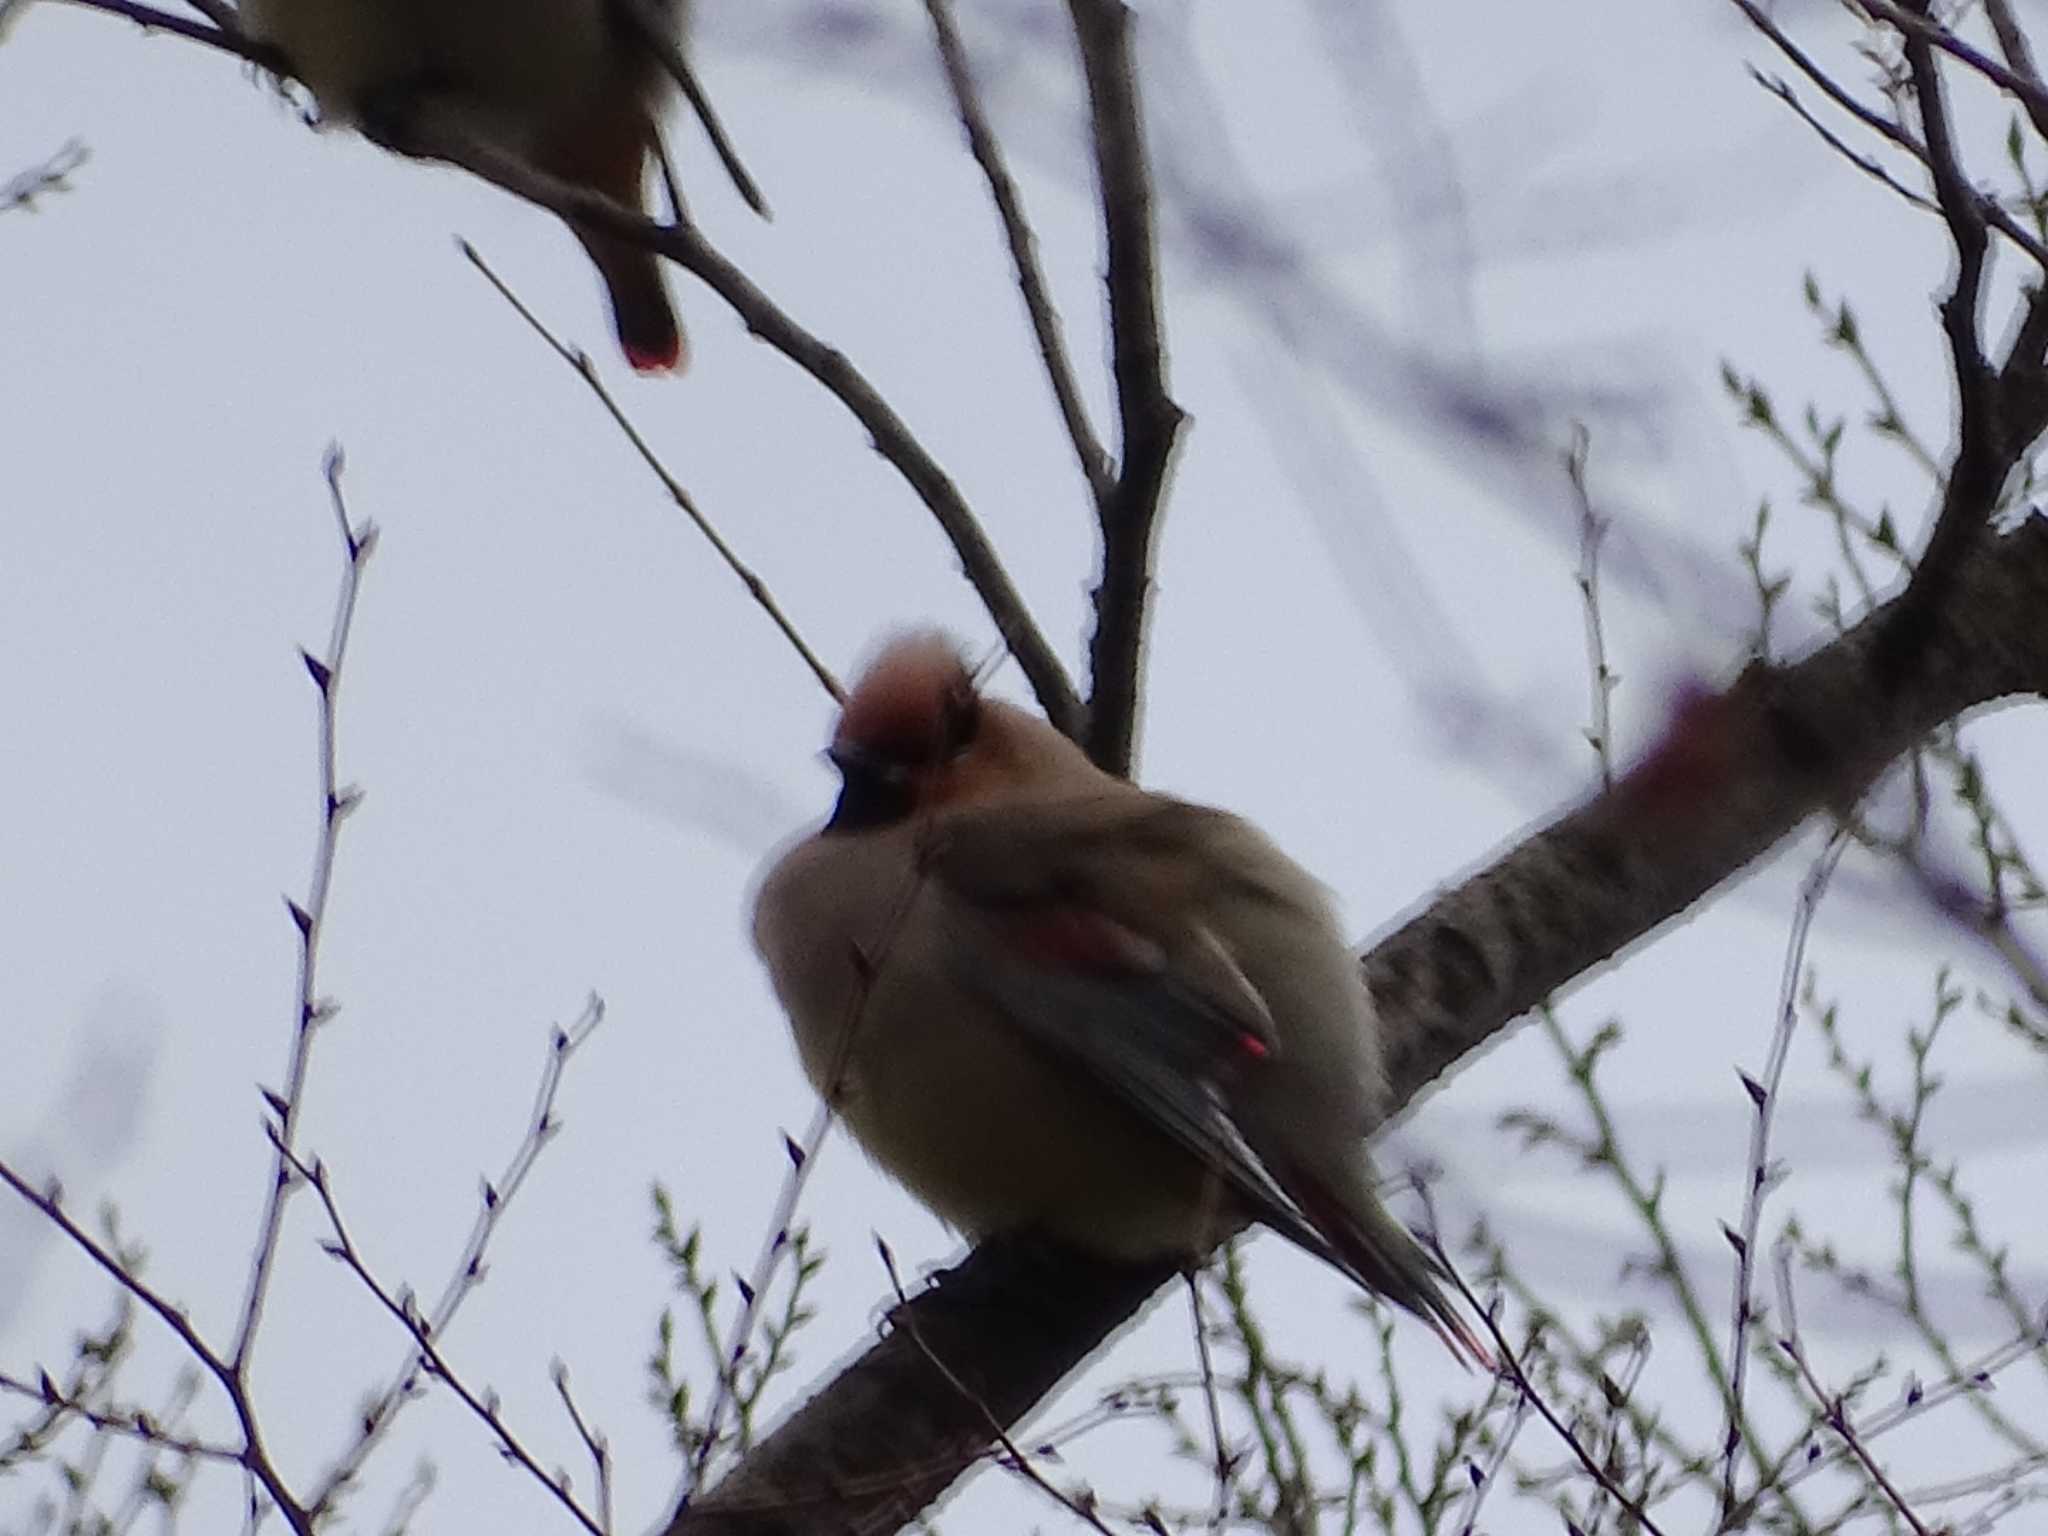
<point x="1466" y="1345"/>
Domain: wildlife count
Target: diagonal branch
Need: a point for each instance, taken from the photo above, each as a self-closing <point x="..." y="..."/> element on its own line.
<point x="1149" y="419"/>
<point x="1038" y="305"/>
<point x="1920" y="29"/>
<point x="1737" y="773"/>
<point x="2019" y="58"/>
<point x="586" y="370"/>
<point x="430" y="135"/>
<point x="150" y="19"/>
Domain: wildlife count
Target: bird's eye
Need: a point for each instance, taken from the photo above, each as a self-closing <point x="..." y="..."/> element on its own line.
<point x="874" y="791"/>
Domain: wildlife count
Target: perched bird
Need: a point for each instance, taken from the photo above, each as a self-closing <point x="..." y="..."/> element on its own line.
<point x="562" y="85"/>
<point x="1045" y="999"/>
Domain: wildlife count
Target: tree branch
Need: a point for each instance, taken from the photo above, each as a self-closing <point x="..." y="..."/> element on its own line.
<point x="1149" y="418"/>
<point x="432" y="136"/>
<point x="1038" y="305"/>
<point x="1735" y="775"/>
<point x="150" y="19"/>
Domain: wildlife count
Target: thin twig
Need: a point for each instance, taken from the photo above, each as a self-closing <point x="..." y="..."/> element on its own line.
<point x="1509" y="1363"/>
<point x="1592" y="530"/>
<point x="134" y="1423"/>
<point x="1869" y="117"/>
<point x="232" y="1368"/>
<point x="310" y="1011"/>
<point x="596" y="1444"/>
<point x="1226" y="1472"/>
<point x="409" y="1500"/>
<point x="1920" y="30"/>
<point x="53" y="174"/>
<point x="586" y="370"/>
<point x="1483" y="1478"/>
<point x="1763" y="1099"/>
<point x="433" y="136"/>
<point x="1617" y="1394"/>
<point x="1834" y="1412"/>
<point x="383" y="1410"/>
<point x="1149" y="419"/>
<point x="1081" y="1509"/>
<point x="803" y="1157"/>
<point x="1045" y="321"/>
<point x="254" y="1458"/>
<point x="403" y="1307"/>
<point x="150" y="19"/>
<point x="2019" y="57"/>
<point x="660" y="40"/>
<point x="1775" y="84"/>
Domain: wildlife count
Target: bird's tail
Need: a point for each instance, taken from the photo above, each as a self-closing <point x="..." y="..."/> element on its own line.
<point x="642" y="315"/>
<point x="607" y="150"/>
<point x="1374" y="1249"/>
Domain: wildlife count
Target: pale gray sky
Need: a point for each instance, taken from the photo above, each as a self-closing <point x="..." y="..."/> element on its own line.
<point x="577" y="738"/>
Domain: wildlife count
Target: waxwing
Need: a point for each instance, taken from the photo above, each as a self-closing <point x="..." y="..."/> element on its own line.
<point x="562" y="85"/>
<point x="1044" y="999"/>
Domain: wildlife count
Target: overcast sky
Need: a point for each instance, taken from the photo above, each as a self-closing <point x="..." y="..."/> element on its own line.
<point x="1408" y="245"/>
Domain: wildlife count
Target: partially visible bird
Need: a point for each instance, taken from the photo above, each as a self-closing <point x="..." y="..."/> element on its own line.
<point x="1045" y="999"/>
<point x="562" y="85"/>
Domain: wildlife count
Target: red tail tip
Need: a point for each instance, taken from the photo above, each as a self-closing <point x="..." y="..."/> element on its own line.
<point x="667" y="359"/>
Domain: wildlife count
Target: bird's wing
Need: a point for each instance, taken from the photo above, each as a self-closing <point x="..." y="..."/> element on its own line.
<point x="1058" y="933"/>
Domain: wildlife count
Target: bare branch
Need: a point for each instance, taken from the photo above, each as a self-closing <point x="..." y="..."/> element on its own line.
<point x="431" y="135"/>
<point x="132" y="1423"/>
<point x="53" y="174"/>
<point x="586" y="370"/>
<point x="1800" y="60"/>
<point x="468" y="1271"/>
<point x="1149" y="419"/>
<point x="310" y="1010"/>
<point x="1013" y="1455"/>
<point x="150" y="19"/>
<point x="1531" y="1394"/>
<point x="405" y="1310"/>
<point x="253" y="1457"/>
<point x="1835" y="1412"/>
<point x="1763" y="1099"/>
<point x="1921" y="31"/>
<point x="1868" y="165"/>
<point x="1986" y="208"/>
<point x="1045" y="320"/>
<point x="2012" y="42"/>
<point x="1592" y="532"/>
<point x="594" y="1442"/>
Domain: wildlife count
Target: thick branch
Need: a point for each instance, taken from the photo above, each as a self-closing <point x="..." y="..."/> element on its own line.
<point x="1737" y="773"/>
